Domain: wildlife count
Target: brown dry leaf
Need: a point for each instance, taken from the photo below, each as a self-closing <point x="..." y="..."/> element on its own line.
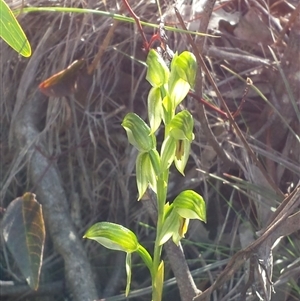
<point x="251" y="28"/>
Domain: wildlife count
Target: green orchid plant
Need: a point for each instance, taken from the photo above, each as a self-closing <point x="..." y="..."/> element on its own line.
<point x="169" y="88"/>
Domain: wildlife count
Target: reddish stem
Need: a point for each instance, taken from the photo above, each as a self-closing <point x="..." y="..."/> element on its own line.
<point x="207" y="104"/>
<point x="138" y="23"/>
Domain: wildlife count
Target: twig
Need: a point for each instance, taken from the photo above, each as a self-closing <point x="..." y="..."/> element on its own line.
<point x="207" y="104"/>
<point x="138" y="23"/>
<point x="237" y="112"/>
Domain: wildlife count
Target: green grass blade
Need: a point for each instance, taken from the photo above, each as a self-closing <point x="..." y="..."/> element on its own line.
<point x="118" y="17"/>
<point x="11" y="31"/>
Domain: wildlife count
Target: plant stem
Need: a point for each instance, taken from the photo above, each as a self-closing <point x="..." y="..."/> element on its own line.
<point x="161" y="200"/>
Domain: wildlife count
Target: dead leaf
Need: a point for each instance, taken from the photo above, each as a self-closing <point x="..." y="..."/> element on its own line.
<point x="251" y="28"/>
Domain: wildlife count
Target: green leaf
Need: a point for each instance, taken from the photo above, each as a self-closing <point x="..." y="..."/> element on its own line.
<point x="155" y="161"/>
<point x="168" y="109"/>
<point x="144" y="254"/>
<point x="182" y="76"/>
<point x="174" y="225"/>
<point x="181" y="130"/>
<point x="181" y="126"/>
<point x="145" y="172"/>
<point x="187" y="205"/>
<point x="185" y="65"/>
<point x="24" y="233"/>
<point x="11" y="32"/>
<point x="182" y="154"/>
<point x="113" y="236"/>
<point x="158" y="72"/>
<point x="154" y="108"/>
<point x="149" y="171"/>
<point x="190" y="204"/>
<point x="141" y="177"/>
<point x="159" y="282"/>
<point x="170" y="225"/>
<point x="116" y="237"/>
<point x="178" y="89"/>
<point x="168" y="149"/>
<point x="138" y="132"/>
